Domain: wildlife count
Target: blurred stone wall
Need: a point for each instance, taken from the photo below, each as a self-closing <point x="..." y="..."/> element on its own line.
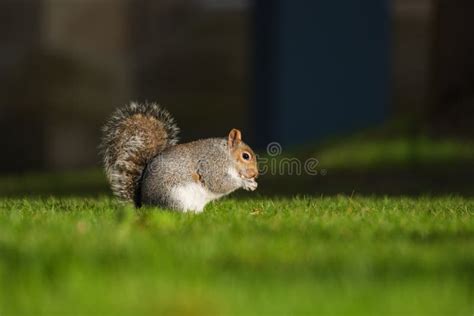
<point x="65" y="74"/>
<point x="433" y="67"/>
<point x="66" y="64"/>
<point x="412" y="55"/>
<point x="453" y="68"/>
<point x="21" y="142"/>
<point x="193" y="57"/>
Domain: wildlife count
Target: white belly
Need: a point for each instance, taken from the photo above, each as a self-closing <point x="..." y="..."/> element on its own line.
<point x="192" y="197"/>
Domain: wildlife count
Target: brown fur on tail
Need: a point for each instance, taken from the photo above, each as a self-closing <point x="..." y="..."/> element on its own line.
<point x="131" y="138"/>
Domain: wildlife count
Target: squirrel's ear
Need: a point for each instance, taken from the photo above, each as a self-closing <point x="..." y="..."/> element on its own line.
<point x="234" y="137"/>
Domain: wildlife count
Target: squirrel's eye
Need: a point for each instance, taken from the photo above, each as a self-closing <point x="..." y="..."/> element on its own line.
<point x="246" y="156"/>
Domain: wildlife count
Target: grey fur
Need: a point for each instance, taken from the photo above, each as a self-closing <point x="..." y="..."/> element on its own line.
<point x="174" y="167"/>
<point x="128" y="144"/>
<point x="145" y="165"/>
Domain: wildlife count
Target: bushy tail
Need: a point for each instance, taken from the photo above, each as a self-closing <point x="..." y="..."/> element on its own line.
<point x="131" y="138"/>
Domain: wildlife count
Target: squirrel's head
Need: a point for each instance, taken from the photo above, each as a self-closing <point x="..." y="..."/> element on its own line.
<point x="243" y="155"/>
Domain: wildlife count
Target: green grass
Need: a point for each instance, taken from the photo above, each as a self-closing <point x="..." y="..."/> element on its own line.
<point x="83" y="253"/>
<point x="398" y="152"/>
<point x="333" y="256"/>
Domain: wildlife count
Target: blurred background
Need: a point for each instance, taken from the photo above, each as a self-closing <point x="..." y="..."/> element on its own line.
<point x="380" y="92"/>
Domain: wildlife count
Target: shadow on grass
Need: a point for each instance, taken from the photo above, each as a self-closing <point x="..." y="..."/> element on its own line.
<point x="419" y="181"/>
<point x="366" y="164"/>
<point x="392" y="182"/>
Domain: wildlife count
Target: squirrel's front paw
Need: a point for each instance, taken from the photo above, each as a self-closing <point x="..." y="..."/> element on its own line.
<point x="249" y="184"/>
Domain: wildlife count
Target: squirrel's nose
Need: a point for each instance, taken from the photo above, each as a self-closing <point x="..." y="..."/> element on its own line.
<point x="251" y="173"/>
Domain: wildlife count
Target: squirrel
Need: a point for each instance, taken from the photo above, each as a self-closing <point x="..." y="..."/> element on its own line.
<point x="144" y="163"/>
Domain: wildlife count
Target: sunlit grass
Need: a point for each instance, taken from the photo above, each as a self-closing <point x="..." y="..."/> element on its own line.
<point x="339" y="255"/>
<point x="83" y="253"/>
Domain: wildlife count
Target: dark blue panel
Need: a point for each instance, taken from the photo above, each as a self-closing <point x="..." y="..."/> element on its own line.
<point x="332" y="69"/>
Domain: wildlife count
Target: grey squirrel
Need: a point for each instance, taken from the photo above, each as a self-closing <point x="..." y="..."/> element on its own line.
<point x="145" y="164"/>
